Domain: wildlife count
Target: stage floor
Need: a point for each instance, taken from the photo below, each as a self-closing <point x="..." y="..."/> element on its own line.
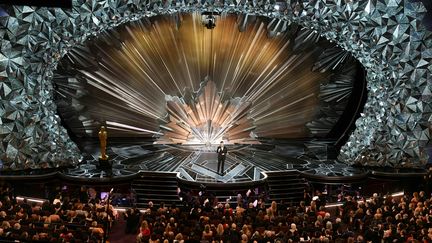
<point x="244" y="163"/>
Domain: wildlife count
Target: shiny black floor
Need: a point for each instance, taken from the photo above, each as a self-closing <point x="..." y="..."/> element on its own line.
<point x="198" y="163"/>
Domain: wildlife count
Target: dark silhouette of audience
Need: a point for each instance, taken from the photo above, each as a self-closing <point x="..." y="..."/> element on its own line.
<point x="63" y="220"/>
<point x="406" y="218"/>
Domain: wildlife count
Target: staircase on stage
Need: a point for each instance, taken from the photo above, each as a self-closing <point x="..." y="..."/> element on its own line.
<point x="158" y="172"/>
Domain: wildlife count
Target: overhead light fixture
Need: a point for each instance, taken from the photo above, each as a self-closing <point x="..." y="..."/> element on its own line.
<point x="209" y="20"/>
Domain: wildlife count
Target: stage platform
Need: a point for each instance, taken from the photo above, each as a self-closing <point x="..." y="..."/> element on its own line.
<point x="147" y="172"/>
<point x="197" y="163"/>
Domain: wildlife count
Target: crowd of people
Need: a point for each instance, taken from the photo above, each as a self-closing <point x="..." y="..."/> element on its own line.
<point x="406" y="218"/>
<point x="87" y="218"/>
<point x="64" y="219"/>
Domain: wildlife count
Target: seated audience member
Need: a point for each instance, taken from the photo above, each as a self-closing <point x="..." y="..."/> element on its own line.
<point x="389" y="219"/>
<point x="207" y="234"/>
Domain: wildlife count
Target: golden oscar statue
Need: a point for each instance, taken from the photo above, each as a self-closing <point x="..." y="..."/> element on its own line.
<point x="103" y="135"/>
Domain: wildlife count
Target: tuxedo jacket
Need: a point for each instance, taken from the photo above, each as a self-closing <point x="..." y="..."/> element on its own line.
<point x="221" y="151"/>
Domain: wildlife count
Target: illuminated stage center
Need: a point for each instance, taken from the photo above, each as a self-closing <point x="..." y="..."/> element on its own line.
<point x="207" y="119"/>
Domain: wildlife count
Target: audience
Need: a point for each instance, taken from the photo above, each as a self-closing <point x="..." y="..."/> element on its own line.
<point x="64" y="220"/>
<point x="407" y="218"/>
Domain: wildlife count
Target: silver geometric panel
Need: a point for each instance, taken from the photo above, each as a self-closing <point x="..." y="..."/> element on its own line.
<point x="386" y="36"/>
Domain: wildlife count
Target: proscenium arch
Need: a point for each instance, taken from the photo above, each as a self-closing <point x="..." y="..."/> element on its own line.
<point x="386" y="36"/>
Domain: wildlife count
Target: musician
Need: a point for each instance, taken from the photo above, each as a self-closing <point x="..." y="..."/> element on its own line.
<point x="221" y="151"/>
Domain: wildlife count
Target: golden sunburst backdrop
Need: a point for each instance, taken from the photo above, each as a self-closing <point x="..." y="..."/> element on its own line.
<point x="173" y="79"/>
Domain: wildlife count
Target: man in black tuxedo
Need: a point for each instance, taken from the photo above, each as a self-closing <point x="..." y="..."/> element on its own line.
<point x="221" y="151"/>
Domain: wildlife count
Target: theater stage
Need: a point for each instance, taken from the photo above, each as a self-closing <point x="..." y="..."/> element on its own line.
<point x="244" y="163"/>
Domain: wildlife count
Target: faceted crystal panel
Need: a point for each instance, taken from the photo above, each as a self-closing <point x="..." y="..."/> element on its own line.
<point x="386" y="36"/>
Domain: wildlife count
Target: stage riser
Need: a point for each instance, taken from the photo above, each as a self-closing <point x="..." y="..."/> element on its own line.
<point x="287" y="186"/>
<point x="156" y="187"/>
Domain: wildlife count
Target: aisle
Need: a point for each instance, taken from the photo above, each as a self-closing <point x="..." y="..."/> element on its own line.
<point x="118" y="235"/>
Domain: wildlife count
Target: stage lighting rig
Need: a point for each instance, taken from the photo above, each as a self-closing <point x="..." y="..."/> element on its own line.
<point x="209" y="20"/>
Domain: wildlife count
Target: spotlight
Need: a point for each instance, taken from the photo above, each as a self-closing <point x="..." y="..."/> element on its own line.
<point x="209" y="20"/>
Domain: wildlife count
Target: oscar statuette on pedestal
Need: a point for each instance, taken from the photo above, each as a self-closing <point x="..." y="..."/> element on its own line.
<point x="103" y="158"/>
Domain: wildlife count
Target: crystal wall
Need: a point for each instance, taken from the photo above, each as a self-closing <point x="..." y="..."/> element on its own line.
<point x="386" y="36"/>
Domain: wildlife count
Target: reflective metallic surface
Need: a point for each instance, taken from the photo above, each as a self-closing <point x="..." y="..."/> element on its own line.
<point x="385" y="36"/>
<point x="245" y="163"/>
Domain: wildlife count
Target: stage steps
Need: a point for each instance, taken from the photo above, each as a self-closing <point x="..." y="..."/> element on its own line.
<point x="287" y="186"/>
<point x="156" y="187"/>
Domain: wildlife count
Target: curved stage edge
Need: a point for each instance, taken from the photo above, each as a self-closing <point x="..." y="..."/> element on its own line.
<point x="197" y="164"/>
<point x="146" y="168"/>
<point x="372" y="173"/>
<point x="384" y="174"/>
<point x="283" y="186"/>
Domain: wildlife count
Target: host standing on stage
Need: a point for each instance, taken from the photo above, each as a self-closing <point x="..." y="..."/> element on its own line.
<point x="221" y="151"/>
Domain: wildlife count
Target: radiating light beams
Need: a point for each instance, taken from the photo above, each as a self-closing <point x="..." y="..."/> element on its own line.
<point x="155" y="70"/>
